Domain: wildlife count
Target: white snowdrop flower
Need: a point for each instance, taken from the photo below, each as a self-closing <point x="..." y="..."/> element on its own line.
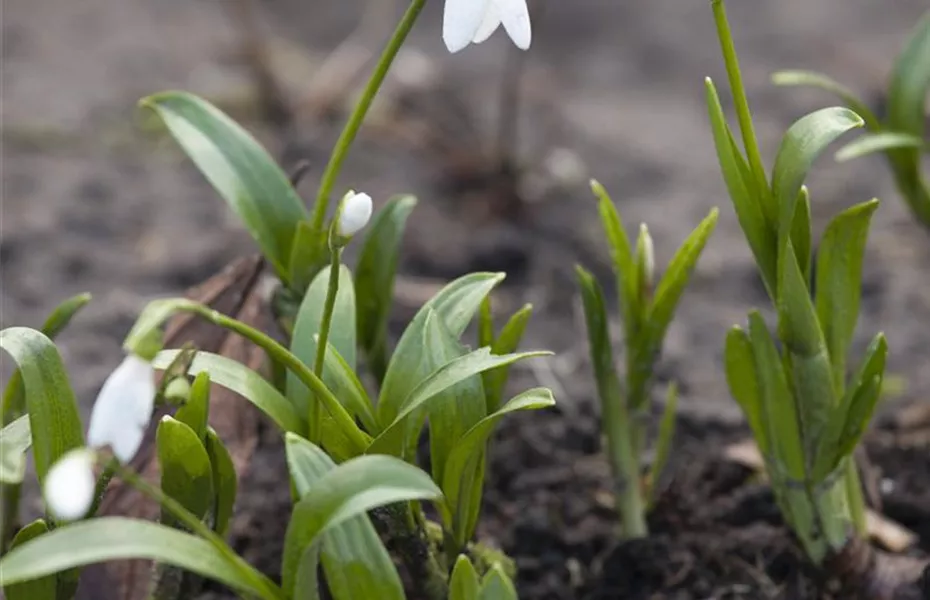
<point x="356" y="211"/>
<point x="473" y="21"/>
<point x="69" y="485"/>
<point x="123" y="408"/>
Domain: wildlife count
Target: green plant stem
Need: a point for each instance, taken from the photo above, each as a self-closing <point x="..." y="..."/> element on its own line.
<point x="743" y="113"/>
<point x="261" y="582"/>
<point x="358" y="114"/>
<point x="326" y="322"/>
<point x="619" y="429"/>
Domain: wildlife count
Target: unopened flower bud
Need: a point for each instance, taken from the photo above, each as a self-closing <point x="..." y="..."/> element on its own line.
<point x="354" y="215"/>
<point x="70" y="484"/>
<point x="123" y="408"/>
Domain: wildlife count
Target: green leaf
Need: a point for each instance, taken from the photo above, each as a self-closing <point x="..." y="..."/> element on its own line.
<point x="508" y="341"/>
<point x="307" y="328"/>
<point x="779" y="416"/>
<point x="464" y="584"/>
<point x="497" y="586"/>
<point x="459" y="475"/>
<point x="391" y="439"/>
<point x="374" y="279"/>
<point x="800" y="147"/>
<point x="186" y="472"/>
<point x="824" y="82"/>
<point x="878" y="142"/>
<point x="42" y="588"/>
<point x="118" y="538"/>
<point x="240" y="170"/>
<point x="15" y="439"/>
<point x="801" y="233"/>
<point x="456" y="305"/>
<point x="342" y="380"/>
<point x="798" y="326"/>
<point x="665" y="438"/>
<point x="53" y="414"/>
<point x="910" y="82"/>
<point x="348" y="491"/>
<point x="622" y="254"/>
<point x="485" y="324"/>
<point x="304" y="263"/>
<point x="749" y="209"/>
<point x="743" y="381"/>
<point x="839" y="282"/>
<point x="355" y="561"/>
<point x="195" y="412"/>
<point x="242" y="380"/>
<point x="225" y="481"/>
<point x="673" y="284"/>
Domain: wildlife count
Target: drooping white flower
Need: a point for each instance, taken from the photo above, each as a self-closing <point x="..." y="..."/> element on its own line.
<point x="123" y="408"/>
<point x="69" y="485"/>
<point x="473" y="21"/>
<point x="356" y="211"/>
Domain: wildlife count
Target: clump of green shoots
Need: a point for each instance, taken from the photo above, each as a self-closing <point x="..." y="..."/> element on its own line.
<point x="900" y="135"/>
<point x="806" y="414"/>
<point x="646" y="311"/>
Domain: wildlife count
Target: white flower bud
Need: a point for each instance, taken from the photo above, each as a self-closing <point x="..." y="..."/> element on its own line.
<point x="123" y="408"/>
<point x="356" y="211"/>
<point x="70" y="484"/>
<point x="473" y="21"/>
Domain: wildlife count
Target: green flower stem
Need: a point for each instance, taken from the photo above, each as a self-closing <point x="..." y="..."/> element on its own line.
<point x="739" y="94"/>
<point x="316" y="415"/>
<point x="358" y="114"/>
<point x="620" y="430"/>
<point x="269" y="590"/>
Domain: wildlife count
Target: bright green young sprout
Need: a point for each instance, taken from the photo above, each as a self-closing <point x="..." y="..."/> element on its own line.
<point x="646" y="310"/>
<point x="900" y="135"/>
<point x="806" y="415"/>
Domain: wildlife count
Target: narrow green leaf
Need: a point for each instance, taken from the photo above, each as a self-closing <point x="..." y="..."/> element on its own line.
<point x="622" y="254"/>
<point x="374" y="279"/>
<point x="743" y="381"/>
<point x="508" y="341"/>
<point x="878" y="142"/>
<point x="391" y="439"/>
<point x="464" y="584"/>
<point x="307" y="328"/>
<point x="342" y="380"/>
<point x="53" y="414"/>
<point x="497" y="586"/>
<point x="664" y="441"/>
<point x="779" y="417"/>
<point x="459" y="472"/>
<point x="348" y="491"/>
<point x="42" y="588"/>
<point x="118" y="538"/>
<point x="225" y="481"/>
<point x="485" y="324"/>
<point x="196" y="411"/>
<point x="238" y="378"/>
<point x="240" y="170"/>
<point x="824" y="82"/>
<point x="749" y="209"/>
<point x="839" y="282"/>
<point x="673" y="284"/>
<point x="801" y="233"/>
<point x="355" y="561"/>
<point x="15" y="440"/>
<point x="798" y="326"/>
<point x="186" y="472"/>
<point x="800" y="147"/>
<point x="910" y="82"/>
<point x="456" y="304"/>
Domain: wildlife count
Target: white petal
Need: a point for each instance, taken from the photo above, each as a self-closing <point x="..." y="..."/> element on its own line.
<point x="123" y="408"/>
<point x="69" y="485"/>
<point x="490" y="23"/>
<point x="516" y="19"/>
<point x="356" y="211"/>
<point x="460" y="21"/>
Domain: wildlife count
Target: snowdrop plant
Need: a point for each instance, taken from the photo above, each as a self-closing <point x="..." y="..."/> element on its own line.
<point x="901" y="135"/>
<point x="806" y="414"/>
<point x="646" y="310"/>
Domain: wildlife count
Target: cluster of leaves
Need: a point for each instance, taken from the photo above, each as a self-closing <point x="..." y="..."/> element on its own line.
<point x="900" y="135"/>
<point x="646" y="313"/>
<point x="805" y="415"/>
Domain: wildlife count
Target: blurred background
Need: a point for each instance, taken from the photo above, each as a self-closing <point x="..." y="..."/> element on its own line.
<point x="96" y="198"/>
